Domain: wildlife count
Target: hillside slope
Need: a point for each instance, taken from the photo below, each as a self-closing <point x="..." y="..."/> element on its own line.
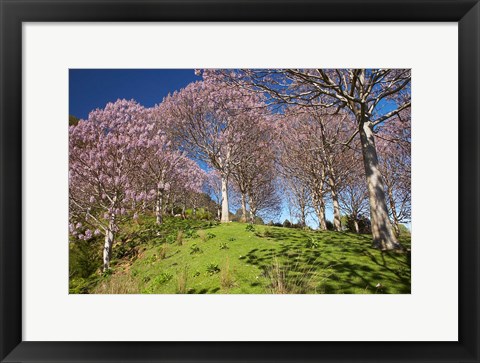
<point x="235" y="258"/>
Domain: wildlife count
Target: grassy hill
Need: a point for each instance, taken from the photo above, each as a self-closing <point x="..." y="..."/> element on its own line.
<point x="235" y="258"/>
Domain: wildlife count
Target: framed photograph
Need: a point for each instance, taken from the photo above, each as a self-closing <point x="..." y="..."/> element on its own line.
<point x="239" y="181"/>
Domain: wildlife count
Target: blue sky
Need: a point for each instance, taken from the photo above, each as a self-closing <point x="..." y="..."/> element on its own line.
<point x="94" y="88"/>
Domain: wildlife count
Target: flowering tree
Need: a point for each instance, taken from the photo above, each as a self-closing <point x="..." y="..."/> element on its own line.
<point x="208" y="120"/>
<point x="103" y="155"/>
<point x="163" y="166"/>
<point x="190" y="185"/>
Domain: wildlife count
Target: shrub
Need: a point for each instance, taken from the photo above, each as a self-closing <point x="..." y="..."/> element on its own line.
<point x="84" y="259"/>
<point x="312" y="243"/>
<point x="190" y="232"/>
<point x="226" y="280"/>
<point x="212" y="268"/>
<point x="171" y="238"/>
<point x="194" y="249"/>
<point x="363" y="223"/>
<point x="330" y="226"/>
<point x="150" y="259"/>
<point x="124" y="250"/>
<point x="203" y="214"/>
<point x="79" y="285"/>
<point x="404" y="231"/>
<point x="298" y="225"/>
<point x="250" y="228"/>
<point x="287" y="223"/>
<point x="163" y="278"/>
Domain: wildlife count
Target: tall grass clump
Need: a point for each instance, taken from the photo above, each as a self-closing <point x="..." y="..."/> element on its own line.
<point x="182" y="280"/>
<point x="226" y="278"/>
<point x="293" y="278"/>
<point x="179" y="239"/>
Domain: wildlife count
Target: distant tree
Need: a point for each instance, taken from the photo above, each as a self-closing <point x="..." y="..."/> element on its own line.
<point x="394" y="149"/>
<point x="287" y="223"/>
<point x="213" y="187"/>
<point x="404" y="231"/>
<point x="72" y="120"/>
<point x="353" y="196"/>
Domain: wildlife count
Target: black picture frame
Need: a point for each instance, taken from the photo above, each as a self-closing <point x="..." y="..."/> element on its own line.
<point x="14" y="12"/>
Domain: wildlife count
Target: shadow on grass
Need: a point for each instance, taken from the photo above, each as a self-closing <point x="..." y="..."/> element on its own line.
<point x="335" y="266"/>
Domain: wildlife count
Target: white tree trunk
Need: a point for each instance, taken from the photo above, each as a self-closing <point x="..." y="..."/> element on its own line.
<point x="303" y="217"/>
<point x="320" y="210"/>
<point x="337" y="223"/>
<point x="253" y="213"/>
<point x="225" y="212"/>
<point x="107" y="247"/>
<point x="159" y="207"/>
<point x="244" y="208"/>
<point x="383" y="236"/>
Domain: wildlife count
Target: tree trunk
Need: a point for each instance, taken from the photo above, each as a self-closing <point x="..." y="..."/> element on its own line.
<point x="225" y="212"/>
<point x="253" y="213"/>
<point x="396" y="229"/>
<point x="107" y="247"/>
<point x="165" y="205"/>
<point x="320" y="211"/>
<point x="337" y="223"/>
<point x="355" y="224"/>
<point x="244" y="208"/>
<point x="393" y="209"/>
<point x="383" y="236"/>
<point x="159" y="207"/>
<point x="303" y="218"/>
<point x="321" y="217"/>
<point x="144" y="204"/>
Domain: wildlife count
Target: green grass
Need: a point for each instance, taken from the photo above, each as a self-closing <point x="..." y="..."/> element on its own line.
<point x="230" y="259"/>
